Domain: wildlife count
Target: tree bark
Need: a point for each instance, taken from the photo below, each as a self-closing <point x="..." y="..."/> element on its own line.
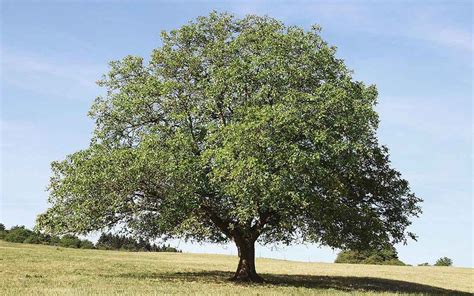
<point x="246" y="269"/>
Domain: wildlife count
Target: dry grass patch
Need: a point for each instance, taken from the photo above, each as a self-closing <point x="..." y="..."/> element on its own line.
<point x="44" y="270"/>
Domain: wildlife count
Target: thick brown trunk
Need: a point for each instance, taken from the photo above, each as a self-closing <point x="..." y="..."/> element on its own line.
<point x="246" y="269"/>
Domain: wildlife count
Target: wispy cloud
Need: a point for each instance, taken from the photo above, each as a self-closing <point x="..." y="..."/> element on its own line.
<point x="399" y="21"/>
<point x="49" y="76"/>
<point x="415" y="25"/>
<point x="449" y="36"/>
<point x="314" y="12"/>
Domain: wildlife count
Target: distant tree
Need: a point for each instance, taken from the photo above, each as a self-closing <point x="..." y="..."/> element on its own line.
<point x="47" y="239"/>
<point x="54" y="240"/>
<point x="444" y="261"/>
<point x="238" y="130"/>
<point x="21" y="234"/>
<point x="3" y="231"/>
<point x="37" y="238"/>
<point x="34" y="238"/>
<point x="118" y="242"/>
<point x="384" y="256"/>
<point x="424" y="264"/>
<point x="104" y="242"/>
<point x="86" y="244"/>
<point x="18" y="234"/>
<point x="168" y="248"/>
<point x="70" y="241"/>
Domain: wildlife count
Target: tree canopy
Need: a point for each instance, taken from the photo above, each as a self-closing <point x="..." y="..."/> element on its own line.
<point x="444" y="261"/>
<point x="237" y="130"/>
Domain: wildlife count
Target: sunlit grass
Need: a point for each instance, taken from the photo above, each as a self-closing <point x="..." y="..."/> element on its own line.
<point x="33" y="269"/>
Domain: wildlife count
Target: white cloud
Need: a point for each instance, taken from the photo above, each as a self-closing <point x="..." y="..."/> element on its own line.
<point x="452" y="37"/>
<point x="418" y="23"/>
<point x="45" y="75"/>
<point x="308" y="11"/>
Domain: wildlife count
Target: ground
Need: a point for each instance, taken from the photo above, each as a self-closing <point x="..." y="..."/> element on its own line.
<point x="40" y="270"/>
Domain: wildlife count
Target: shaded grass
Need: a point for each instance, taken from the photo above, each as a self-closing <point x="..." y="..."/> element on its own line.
<point x="341" y="283"/>
<point x="43" y="270"/>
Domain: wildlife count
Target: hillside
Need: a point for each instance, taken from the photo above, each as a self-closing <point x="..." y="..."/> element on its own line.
<point x="33" y="269"/>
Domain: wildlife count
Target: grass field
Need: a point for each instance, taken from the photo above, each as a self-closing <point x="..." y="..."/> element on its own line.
<point x="38" y="270"/>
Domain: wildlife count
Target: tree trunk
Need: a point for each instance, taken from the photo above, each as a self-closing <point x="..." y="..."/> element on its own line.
<point x="246" y="269"/>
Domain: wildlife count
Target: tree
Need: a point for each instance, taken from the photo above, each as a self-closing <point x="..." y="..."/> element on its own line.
<point x="18" y="234"/>
<point x="3" y="231"/>
<point x="87" y="244"/>
<point x="383" y="256"/>
<point x="70" y="241"/>
<point x="238" y="130"/>
<point x="444" y="261"/>
<point x="424" y="264"/>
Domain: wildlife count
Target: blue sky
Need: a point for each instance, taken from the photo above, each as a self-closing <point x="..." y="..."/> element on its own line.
<point x="419" y="54"/>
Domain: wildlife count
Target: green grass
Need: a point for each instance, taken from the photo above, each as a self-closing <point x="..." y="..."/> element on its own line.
<point x="39" y="270"/>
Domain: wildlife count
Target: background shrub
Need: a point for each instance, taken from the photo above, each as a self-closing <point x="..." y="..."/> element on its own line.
<point x="385" y="256"/>
<point x="444" y="261"/>
<point x="87" y="244"/>
<point x="424" y="264"/>
<point x="33" y="239"/>
<point x="70" y="241"/>
<point x="18" y="234"/>
<point x="107" y="241"/>
<point x="3" y="231"/>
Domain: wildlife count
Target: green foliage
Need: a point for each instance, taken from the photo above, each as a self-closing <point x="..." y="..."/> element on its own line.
<point x="21" y="234"/>
<point x="424" y="264"/>
<point x="70" y="241"/>
<point x="3" y="231"/>
<point x="87" y="244"/>
<point x="18" y="234"/>
<point x="109" y="241"/>
<point x="54" y="240"/>
<point x="168" y="248"/>
<point x="384" y="256"/>
<point x="32" y="239"/>
<point x="444" y="261"/>
<point x="236" y="129"/>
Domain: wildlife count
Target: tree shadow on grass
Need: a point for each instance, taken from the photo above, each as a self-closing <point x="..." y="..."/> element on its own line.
<point x="341" y="283"/>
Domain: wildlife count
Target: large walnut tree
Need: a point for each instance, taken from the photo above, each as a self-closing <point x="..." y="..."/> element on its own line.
<point x="238" y="130"/>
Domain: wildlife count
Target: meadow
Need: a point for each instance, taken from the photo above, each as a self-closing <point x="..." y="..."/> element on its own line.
<point x="44" y="270"/>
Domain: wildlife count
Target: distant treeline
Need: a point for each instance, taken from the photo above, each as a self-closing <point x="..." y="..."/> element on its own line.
<point x="107" y="241"/>
<point x="384" y="256"/>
